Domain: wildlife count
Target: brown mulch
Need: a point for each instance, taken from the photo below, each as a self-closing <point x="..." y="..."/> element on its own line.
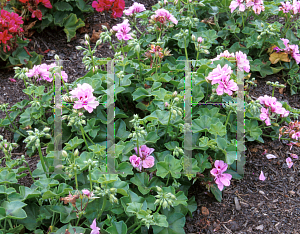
<point x="249" y="205"/>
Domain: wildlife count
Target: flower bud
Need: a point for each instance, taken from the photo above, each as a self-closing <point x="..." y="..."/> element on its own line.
<point x="167" y="104"/>
<point x="113" y="190"/>
<point x="46" y="129"/>
<point x="158" y="189"/>
<point x="83" y="122"/>
<point x="56" y="57"/>
<point x="200" y="39"/>
<point x="76" y="153"/>
<point x="86" y="37"/>
<point x="193" y="38"/>
<point x="259" y="37"/>
<point x="165" y="204"/>
<point x="174" y="94"/>
<point x="98" y="42"/>
<point x="64" y="153"/>
<point x="176" y="99"/>
<point x="79" y="48"/>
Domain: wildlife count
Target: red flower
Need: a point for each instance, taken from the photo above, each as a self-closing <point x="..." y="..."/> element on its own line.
<point x="103" y="5"/>
<point x="4" y="36"/>
<point x="37" y="14"/>
<point x="118" y="8"/>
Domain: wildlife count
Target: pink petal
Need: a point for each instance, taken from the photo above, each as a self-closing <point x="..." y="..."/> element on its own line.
<point x="262" y="177"/>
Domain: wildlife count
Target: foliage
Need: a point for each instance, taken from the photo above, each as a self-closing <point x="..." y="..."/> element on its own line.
<point x="133" y="174"/>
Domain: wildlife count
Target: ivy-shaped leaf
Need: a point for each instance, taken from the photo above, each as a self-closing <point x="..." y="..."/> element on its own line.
<point x="170" y="165"/>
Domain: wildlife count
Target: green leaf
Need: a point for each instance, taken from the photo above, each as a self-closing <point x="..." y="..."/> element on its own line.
<point x="160" y="220"/>
<point x="4" y="190"/>
<point x="161" y="116"/>
<point x="61" y="190"/>
<point x="117" y="228"/>
<point x="66" y="214"/>
<point x="71" y="229"/>
<point x="172" y="145"/>
<point x="63" y="6"/>
<point x="176" y="223"/>
<point x="218" y="129"/>
<point x="216" y="192"/>
<point x="71" y="24"/>
<point x="91" y="127"/>
<point x="120" y="130"/>
<point x="140" y="93"/>
<point x="73" y="144"/>
<point x="7" y="177"/>
<point x="81" y="4"/>
<point x="203" y="162"/>
<point x="25" y="193"/>
<point x="201" y="125"/>
<point x="170" y="165"/>
<point x="142" y="181"/>
<point x="152" y="137"/>
<point x="14" y="209"/>
<point x="60" y="17"/>
<point x="30" y="222"/>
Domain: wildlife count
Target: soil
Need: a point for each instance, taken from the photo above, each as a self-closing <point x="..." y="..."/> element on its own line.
<point x="248" y="205"/>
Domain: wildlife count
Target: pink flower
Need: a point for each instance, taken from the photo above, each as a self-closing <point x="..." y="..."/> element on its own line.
<point x="218" y="73"/>
<point x="296" y="136"/>
<point x="226" y="86"/>
<point x="225" y="54"/>
<point x="265" y="116"/>
<point x="237" y="3"/>
<point x="242" y="61"/>
<point x="123" y="30"/>
<point x="289" y="162"/>
<point x="267" y="100"/>
<point x="220" y="167"/>
<point x="87" y="193"/>
<point x="148" y="162"/>
<point x="291" y="144"/>
<point x="38" y="72"/>
<point x="295" y="156"/>
<point x="136" y="162"/>
<point x="167" y="104"/>
<point x="12" y="80"/>
<point x="296" y="7"/>
<point x="257" y="5"/>
<point x="295" y="53"/>
<point x="95" y="229"/>
<point x="145" y="160"/>
<point x="163" y="15"/>
<point x="199" y="39"/>
<point x="285" y="7"/>
<point x="261" y="176"/>
<point x="135" y="8"/>
<point x="221" y="178"/>
<point x="86" y="100"/>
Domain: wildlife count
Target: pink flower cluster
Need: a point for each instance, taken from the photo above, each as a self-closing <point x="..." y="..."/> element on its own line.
<point x="43" y="72"/>
<point x="293" y="50"/>
<point x="221" y="178"/>
<point x="272" y="105"/>
<point x="87" y="193"/>
<point x="286" y="7"/>
<point x="145" y="160"/>
<point x="241" y="59"/>
<point x="162" y="16"/>
<point x="221" y="76"/>
<point x="135" y="8"/>
<point x="86" y="100"/>
<point x="257" y="5"/>
<point x="123" y="30"/>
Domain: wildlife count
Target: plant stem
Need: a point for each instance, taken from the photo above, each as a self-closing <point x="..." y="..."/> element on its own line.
<point x="82" y="132"/>
<point x="75" y="172"/>
<point x="137" y="228"/>
<point x="103" y="207"/>
<point x="90" y="175"/>
<point x="168" y="124"/>
<point x="158" y="209"/>
<point x="185" y="49"/>
<point x="276" y="137"/>
<point x="228" y="117"/>
<point x="273" y="91"/>
<point x="168" y="180"/>
<point x="42" y="161"/>
<point x="132" y="226"/>
<point x="29" y="171"/>
<point x="65" y="86"/>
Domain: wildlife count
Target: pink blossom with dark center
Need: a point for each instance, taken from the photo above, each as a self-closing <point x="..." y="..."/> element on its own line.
<point x="221" y="178"/>
<point x="122" y="31"/>
<point x="164" y="15"/>
<point x="135" y="8"/>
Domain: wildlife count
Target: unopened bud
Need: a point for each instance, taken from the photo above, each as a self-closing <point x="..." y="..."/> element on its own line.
<point x="46" y="129"/>
<point x="193" y="38"/>
<point x="64" y="153"/>
<point x="158" y="189"/>
<point x="174" y="94"/>
<point x="176" y="99"/>
<point x="79" y="48"/>
<point x="76" y="153"/>
<point x="86" y="37"/>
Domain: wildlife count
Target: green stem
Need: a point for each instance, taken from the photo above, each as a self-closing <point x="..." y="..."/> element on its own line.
<point x="42" y="161"/>
<point x="65" y="86"/>
<point x="168" y="180"/>
<point x="29" y="170"/>
<point x="75" y="172"/>
<point x="122" y="49"/>
<point x="103" y="207"/>
<point x="90" y="175"/>
<point x="228" y="117"/>
<point x="168" y="125"/>
<point x="273" y="91"/>
<point x="287" y="139"/>
<point x="185" y="49"/>
<point x="112" y="46"/>
<point x="78" y="220"/>
<point x="137" y="228"/>
<point x="82" y="132"/>
<point x="89" y="138"/>
<point x="132" y="226"/>
<point x="158" y="209"/>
